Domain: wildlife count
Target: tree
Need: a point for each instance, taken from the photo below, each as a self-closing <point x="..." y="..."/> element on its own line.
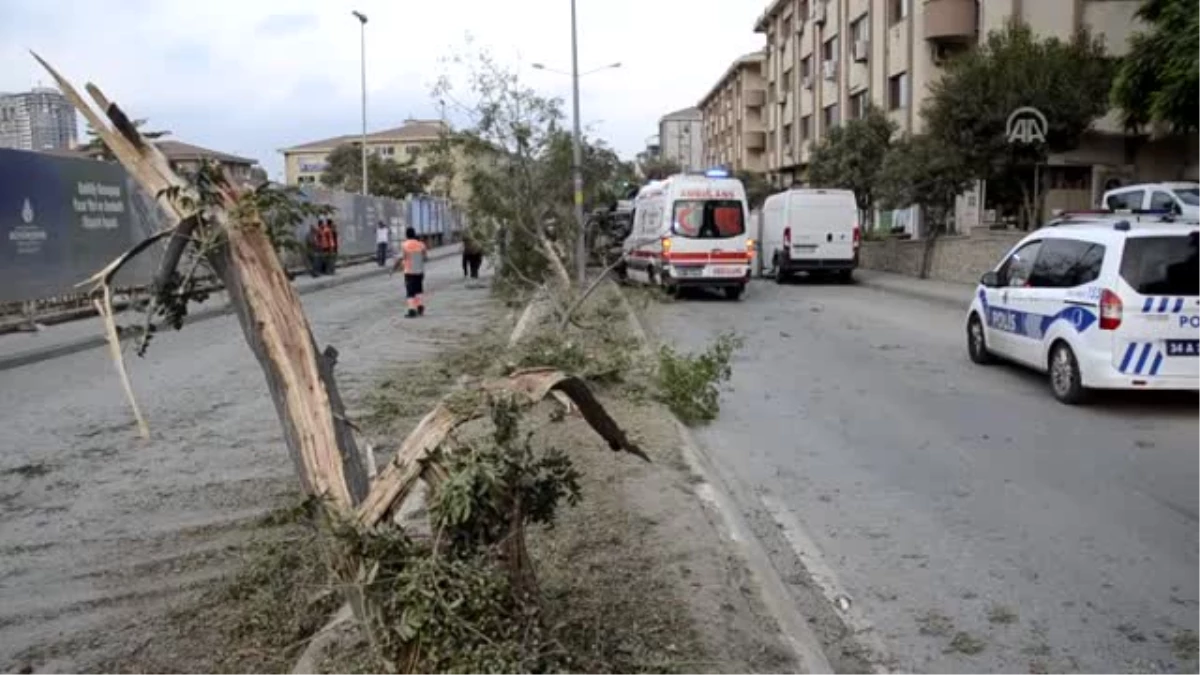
<point x="658" y="168"/>
<point x="850" y="157"/>
<point x="925" y="172"/>
<point x="1158" y="82"/>
<point x="386" y="178"/>
<point x="96" y="148"/>
<point x="756" y="185"/>
<point x="969" y="106"/>
<point x="604" y="173"/>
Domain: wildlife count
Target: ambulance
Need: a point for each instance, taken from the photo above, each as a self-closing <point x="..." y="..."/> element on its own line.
<point x="690" y="231"/>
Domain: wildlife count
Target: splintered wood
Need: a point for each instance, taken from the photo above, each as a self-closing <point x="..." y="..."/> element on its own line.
<point x="393" y="484"/>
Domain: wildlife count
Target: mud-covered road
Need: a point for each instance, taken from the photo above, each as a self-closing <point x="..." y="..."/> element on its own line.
<point x="98" y="527"/>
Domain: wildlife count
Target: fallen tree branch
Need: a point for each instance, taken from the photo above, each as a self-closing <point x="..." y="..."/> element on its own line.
<point x="393" y="484"/>
<point x="104" y="308"/>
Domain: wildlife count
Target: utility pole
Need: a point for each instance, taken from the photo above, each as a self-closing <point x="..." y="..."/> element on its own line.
<point x="577" y="158"/>
<point x="362" y="20"/>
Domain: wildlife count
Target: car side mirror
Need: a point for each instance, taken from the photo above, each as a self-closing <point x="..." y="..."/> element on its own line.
<point x="990" y="279"/>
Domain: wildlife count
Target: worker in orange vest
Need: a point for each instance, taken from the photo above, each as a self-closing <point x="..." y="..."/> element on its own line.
<point x="326" y="246"/>
<point x="412" y="257"/>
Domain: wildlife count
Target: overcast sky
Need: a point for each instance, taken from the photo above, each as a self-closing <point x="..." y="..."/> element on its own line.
<point x="254" y="76"/>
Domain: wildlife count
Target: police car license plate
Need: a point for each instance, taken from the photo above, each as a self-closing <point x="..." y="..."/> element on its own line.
<point x="731" y="271"/>
<point x="1183" y="347"/>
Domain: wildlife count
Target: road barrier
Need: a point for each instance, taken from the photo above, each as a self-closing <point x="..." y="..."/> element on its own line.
<point x="62" y="219"/>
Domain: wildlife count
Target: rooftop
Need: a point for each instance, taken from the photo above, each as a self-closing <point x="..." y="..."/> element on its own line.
<point x="412" y="130"/>
<point x="173" y="150"/>
<point x="738" y="63"/>
<point x="691" y="113"/>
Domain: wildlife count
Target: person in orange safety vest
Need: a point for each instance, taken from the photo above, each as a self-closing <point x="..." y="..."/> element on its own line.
<point x="412" y="258"/>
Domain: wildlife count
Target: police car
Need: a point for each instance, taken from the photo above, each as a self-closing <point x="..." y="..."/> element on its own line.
<point x="1097" y="300"/>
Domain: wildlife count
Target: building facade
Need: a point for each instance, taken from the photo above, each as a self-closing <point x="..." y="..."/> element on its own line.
<point x="41" y="119"/>
<point x="303" y="164"/>
<point x="681" y="138"/>
<point x="826" y="60"/>
<point x="734" y="111"/>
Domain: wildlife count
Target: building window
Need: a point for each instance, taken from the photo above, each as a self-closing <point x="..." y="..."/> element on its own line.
<point x="805" y="128"/>
<point x="897" y="11"/>
<point x="787" y="138"/>
<point x="385" y="151"/>
<point x="787" y="81"/>
<point x="806" y="67"/>
<point x="831" y="116"/>
<point x="898" y="91"/>
<point x="860" y="30"/>
<point x="413" y="150"/>
<point x="829" y="51"/>
<point x="858" y="104"/>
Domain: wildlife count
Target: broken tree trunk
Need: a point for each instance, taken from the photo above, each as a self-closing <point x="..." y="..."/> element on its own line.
<point x="300" y="379"/>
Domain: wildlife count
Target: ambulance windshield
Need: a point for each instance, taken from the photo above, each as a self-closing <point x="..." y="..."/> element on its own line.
<point x="708" y="219"/>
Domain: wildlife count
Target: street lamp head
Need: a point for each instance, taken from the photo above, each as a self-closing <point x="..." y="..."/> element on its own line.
<point x="539" y="66"/>
<point x="360" y="16"/>
<point x="615" y="65"/>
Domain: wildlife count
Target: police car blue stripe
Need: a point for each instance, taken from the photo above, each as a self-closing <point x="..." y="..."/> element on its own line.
<point x="1178" y="306"/>
<point x="1142" y="359"/>
<point x="1162" y="305"/>
<point x="1148" y="305"/>
<point x="1158" y="359"/>
<point x="1128" y="356"/>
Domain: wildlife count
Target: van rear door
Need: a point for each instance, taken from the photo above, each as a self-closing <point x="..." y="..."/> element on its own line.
<point x="822" y="226"/>
<point x="1159" y="335"/>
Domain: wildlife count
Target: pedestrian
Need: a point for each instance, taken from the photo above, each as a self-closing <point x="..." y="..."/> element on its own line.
<point x="381" y="243"/>
<point x="312" y="248"/>
<point x="412" y="259"/>
<point x="326" y="246"/>
<point x="472" y="257"/>
<point x="335" y="248"/>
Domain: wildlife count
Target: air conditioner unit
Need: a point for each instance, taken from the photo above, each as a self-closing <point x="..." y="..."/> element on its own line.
<point x="817" y="11"/>
<point x="862" y="50"/>
<point x="829" y="69"/>
<point x="806" y="81"/>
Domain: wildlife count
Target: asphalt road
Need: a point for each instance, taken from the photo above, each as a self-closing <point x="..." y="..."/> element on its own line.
<point x="98" y="528"/>
<point x="971" y="522"/>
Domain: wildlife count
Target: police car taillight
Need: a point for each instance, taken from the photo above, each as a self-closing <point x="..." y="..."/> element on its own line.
<point x="787" y="237"/>
<point x="1110" y="310"/>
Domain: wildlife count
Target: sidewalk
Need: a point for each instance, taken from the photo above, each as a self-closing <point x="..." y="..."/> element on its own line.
<point x="945" y="293"/>
<point x="19" y="349"/>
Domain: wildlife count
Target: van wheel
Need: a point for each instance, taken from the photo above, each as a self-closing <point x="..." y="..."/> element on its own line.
<point x="781" y="277"/>
<point x="734" y="292"/>
<point x="846" y="276"/>
<point x="977" y="342"/>
<point x="1065" y="382"/>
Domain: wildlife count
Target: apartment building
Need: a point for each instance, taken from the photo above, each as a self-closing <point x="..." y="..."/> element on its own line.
<point x="681" y="136"/>
<point x="734" y="110"/>
<point x="41" y="119"/>
<point x="827" y="59"/>
<point x="304" y="163"/>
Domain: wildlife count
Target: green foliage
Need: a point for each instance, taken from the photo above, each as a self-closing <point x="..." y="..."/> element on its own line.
<point x="1158" y="81"/>
<point x="658" y="168"/>
<point x="451" y="604"/>
<point x="969" y="105"/>
<point x="921" y="170"/>
<point x="690" y="384"/>
<point x="386" y="178"/>
<point x="851" y="155"/>
<point x="756" y="186"/>
<point x="282" y="208"/>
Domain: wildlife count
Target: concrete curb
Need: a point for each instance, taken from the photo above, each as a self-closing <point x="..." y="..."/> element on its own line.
<point x="900" y="286"/>
<point x="40" y="354"/>
<point x="776" y="598"/>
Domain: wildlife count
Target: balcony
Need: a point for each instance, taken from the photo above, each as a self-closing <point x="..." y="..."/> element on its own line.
<point x="755" y="98"/>
<point x="755" y="140"/>
<point x="950" y="20"/>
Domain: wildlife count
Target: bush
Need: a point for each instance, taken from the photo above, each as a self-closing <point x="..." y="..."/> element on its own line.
<point x="689" y="384"/>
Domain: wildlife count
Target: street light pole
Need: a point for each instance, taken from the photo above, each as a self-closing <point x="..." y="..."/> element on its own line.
<point x="362" y="20"/>
<point x="577" y="158"/>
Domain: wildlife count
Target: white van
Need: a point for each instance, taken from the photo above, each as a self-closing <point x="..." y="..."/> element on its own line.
<point x="810" y="230"/>
<point x="1180" y="199"/>
<point x="689" y="230"/>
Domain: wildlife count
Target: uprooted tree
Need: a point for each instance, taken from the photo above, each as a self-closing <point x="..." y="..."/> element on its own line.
<point x="211" y="222"/>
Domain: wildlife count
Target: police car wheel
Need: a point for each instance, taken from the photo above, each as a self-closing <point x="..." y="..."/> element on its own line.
<point x="977" y="341"/>
<point x="1065" y="382"/>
